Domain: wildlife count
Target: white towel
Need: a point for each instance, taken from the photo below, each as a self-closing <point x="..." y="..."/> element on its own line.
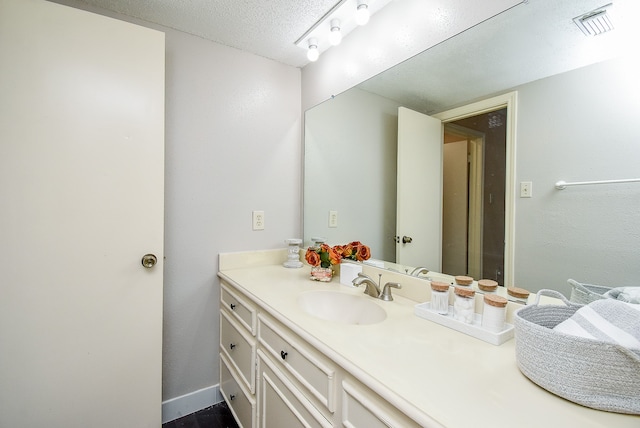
<point x="608" y="320"/>
<point x="626" y="294"/>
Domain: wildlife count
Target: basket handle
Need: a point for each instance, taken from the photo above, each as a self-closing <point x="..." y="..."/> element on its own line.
<point x="555" y="294"/>
<point x="575" y="284"/>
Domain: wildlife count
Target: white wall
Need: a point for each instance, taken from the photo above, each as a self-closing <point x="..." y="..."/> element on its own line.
<point x="232" y="146"/>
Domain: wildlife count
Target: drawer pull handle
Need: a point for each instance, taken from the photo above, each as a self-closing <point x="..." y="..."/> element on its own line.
<point x="232" y="397"/>
<point x="232" y="306"/>
<point x="231" y="346"/>
<point x="283" y="354"/>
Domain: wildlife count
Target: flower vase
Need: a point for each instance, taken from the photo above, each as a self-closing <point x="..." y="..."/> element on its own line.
<point x="321" y="274"/>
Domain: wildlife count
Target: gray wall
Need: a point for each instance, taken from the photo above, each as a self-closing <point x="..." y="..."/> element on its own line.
<point x="579" y="126"/>
<point x="353" y="179"/>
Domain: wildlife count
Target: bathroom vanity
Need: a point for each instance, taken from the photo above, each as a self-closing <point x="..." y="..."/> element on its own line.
<point x="282" y="367"/>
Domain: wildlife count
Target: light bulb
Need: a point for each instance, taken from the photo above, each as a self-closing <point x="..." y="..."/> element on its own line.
<point x="335" y="36"/>
<point x="313" y="54"/>
<point x="362" y="13"/>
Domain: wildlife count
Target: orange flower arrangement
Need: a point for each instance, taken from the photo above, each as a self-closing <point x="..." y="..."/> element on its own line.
<point x="326" y="256"/>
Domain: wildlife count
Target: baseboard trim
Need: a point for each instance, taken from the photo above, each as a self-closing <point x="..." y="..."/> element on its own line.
<point x="184" y="405"/>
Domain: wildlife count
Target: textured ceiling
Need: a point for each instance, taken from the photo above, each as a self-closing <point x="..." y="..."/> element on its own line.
<point x="533" y="40"/>
<point x="268" y="28"/>
<point x="528" y="42"/>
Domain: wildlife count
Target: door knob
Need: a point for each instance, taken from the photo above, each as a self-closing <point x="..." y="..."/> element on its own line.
<point x="407" y="239"/>
<point x="149" y="261"/>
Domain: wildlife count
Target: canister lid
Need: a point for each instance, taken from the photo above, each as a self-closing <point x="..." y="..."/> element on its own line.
<point x="520" y="293"/>
<point x="487" y="284"/>
<point x="463" y="280"/>
<point x="464" y="292"/>
<point x="495" y="300"/>
<point x="439" y="286"/>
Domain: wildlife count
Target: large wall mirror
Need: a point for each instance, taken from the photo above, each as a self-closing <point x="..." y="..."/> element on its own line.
<point x="576" y="103"/>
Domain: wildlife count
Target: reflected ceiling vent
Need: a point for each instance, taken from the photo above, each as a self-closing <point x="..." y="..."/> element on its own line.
<point x="595" y="22"/>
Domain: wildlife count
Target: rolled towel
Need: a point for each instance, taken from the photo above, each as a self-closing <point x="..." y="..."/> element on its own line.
<point x="607" y="320"/>
<point x="625" y="294"/>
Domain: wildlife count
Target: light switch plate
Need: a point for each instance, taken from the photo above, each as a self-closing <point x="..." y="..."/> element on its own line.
<point x="526" y="189"/>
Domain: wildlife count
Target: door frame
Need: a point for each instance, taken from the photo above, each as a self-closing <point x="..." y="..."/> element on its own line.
<point x="508" y="100"/>
<point x="475" y="211"/>
<point x="475" y="181"/>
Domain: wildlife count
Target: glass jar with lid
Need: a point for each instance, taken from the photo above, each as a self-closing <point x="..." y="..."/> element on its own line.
<point x="494" y="312"/>
<point x="464" y="304"/>
<point x="487" y="285"/>
<point x="440" y="297"/>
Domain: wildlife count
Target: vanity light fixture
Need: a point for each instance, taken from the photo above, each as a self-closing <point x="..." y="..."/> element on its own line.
<point x="313" y="53"/>
<point x="335" y="36"/>
<point x="595" y="22"/>
<point x="362" y="12"/>
<point x="344" y="17"/>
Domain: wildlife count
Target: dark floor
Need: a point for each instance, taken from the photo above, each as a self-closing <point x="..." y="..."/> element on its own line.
<point x="217" y="416"/>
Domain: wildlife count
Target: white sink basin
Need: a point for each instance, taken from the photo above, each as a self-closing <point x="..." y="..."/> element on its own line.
<point x="340" y="307"/>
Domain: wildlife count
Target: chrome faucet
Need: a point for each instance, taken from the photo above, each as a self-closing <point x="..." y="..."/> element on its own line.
<point x="417" y="271"/>
<point x="373" y="289"/>
<point x="386" y="292"/>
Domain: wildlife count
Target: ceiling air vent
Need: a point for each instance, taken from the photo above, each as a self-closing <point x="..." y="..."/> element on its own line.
<point x="595" y="22"/>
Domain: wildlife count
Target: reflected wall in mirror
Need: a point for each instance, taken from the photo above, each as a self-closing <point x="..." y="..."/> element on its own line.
<point x="578" y="102"/>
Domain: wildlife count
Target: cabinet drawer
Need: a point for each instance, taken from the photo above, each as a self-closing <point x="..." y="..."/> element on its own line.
<point x="241" y="404"/>
<point x="305" y="364"/>
<point x="242" y="310"/>
<point x="362" y="408"/>
<point x="280" y="403"/>
<point x="240" y="349"/>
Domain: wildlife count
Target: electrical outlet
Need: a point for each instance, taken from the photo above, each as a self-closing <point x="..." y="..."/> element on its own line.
<point x="526" y="189"/>
<point x="333" y="218"/>
<point x="258" y="220"/>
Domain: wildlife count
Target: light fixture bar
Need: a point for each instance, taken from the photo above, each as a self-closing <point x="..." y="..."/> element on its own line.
<point x="325" y="18"/>
<point x="344" y="13"/>
<point x="362" y="12"/>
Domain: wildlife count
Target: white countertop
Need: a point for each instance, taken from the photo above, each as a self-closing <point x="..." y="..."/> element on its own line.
<point x="427" y="370"/>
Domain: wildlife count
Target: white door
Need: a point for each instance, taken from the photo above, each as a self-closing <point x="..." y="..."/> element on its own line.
<point x="419" y="204"/>
<point x="81" y="188"/>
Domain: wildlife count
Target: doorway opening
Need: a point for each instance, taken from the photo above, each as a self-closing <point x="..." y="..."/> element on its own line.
<point x="474" y="188"/>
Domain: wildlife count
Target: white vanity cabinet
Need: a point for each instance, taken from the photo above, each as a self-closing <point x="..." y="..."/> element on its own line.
<point x="361" y="407"/>
<point x="238" y="356"/>
<point x="313" y="372"/>
<point x="401" y="372"/>
<point x="280" y="402"/>
<point x="272" y="378"/>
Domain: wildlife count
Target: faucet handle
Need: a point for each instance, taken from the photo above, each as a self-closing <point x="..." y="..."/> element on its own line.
<point x="386" y="292"/>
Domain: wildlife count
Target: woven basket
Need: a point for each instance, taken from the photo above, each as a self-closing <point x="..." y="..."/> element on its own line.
<point x="589" y="372"/>
<point x="586" y="293"/>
